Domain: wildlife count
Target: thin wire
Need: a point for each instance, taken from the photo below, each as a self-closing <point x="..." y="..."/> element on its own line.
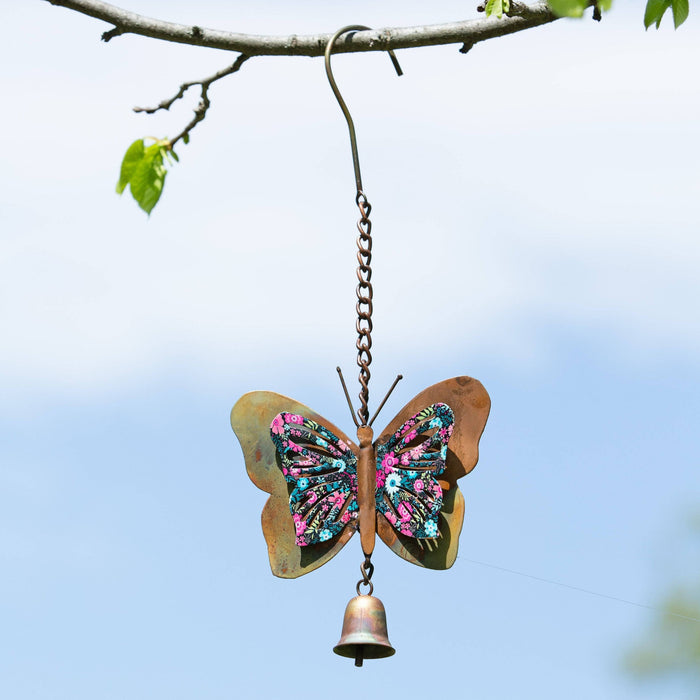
<point x="582" y="590"/>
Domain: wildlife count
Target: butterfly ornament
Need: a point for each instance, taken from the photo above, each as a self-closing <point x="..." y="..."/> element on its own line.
<point x="324" y="487"/>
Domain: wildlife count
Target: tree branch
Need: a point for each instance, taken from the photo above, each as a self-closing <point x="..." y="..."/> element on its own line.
<point x="201" y="110"/>
<point x="467" y="32"/>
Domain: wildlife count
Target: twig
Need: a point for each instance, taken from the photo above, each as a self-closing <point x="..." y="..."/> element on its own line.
<point x="201" y="110"/>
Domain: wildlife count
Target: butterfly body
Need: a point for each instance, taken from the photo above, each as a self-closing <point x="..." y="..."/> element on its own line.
<point x="323" y="487"/>
<point x="366" y="486"/>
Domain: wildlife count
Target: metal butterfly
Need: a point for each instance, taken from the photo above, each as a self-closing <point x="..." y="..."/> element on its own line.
<point x="323" y="487"/>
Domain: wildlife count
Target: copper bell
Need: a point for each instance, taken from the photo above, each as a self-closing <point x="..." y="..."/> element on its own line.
<point x="364" y="634"/>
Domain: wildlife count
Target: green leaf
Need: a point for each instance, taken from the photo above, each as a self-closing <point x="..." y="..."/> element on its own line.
<point x="497" y="7"/>
<point x="654" y="11"/>
<point x="148" y="178"/>
<point x="144" y="170"/>
<point x="186" y="139"/>
<point x="132" y="158"/>
<point x="568" y="8"/>
<point x="605" y="5"/>
<point x="681" y="8"/>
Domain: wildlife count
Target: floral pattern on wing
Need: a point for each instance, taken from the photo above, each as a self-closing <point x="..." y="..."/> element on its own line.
<point x="323" y="471"/>
<point x="408" y="464"/>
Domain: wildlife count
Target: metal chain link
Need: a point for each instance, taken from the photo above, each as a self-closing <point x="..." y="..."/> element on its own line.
<point x="364" y="303"/>
<point x="366" y="569"/>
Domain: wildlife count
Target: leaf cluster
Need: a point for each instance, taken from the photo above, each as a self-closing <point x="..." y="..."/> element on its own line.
<point x="656" y="9"/>
<point x="673" y="645"/>
<point x="575" y="8"/>
<point x="144" y="169"/>
<point x="497" y="7"/>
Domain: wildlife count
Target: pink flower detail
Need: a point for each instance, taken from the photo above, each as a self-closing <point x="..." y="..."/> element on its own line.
<point x="345" y="517"/>
<point x="390" y="517"/>
<point x="295" y="418"/>
<point x="277" y="425"/>
<point x="311" y="498"/>
<point x="404" y="510"/>
<point x="342" y="446"/>
<point x="434" y="489"/>
<point x="406" y="531"/>
<point x="294" y="447"/>
<point x="381" y="476"/>
<point x="416" y="452"/>
<point x="405" y="459"/>
<point x="389" y="460"/>
<point x="411" y="436"/>
<point x="418" y="485"/>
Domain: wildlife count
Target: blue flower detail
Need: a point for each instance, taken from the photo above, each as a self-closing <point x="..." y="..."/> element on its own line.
<point x="325" y="534"/>
<point x="431" y="528"/>
<point x="303" y="483"/>
<point x="392" y="483"/>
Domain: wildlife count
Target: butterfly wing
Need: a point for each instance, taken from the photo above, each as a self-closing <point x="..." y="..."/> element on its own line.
<point x="251" y="420"/>
<point x="409" y="463"/>
<point x="470" y="404"/>
<point x="322" y="471"/>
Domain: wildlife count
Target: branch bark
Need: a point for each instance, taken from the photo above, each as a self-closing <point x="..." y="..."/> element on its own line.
<point x="467" y="32"/>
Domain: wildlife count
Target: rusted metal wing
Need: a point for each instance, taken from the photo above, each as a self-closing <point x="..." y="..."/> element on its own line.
<point x="471" y="404"/>
<point x="250" y="420"/>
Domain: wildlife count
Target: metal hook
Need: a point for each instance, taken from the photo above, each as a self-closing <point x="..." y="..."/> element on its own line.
<point x="341" y="101"/>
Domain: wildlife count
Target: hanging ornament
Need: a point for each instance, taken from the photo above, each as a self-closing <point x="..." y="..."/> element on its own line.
<point x="324" y="487"/>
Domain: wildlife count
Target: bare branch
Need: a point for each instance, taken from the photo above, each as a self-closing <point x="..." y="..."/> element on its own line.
<point x="200" y="111"/>
<point x="467" y="32"/>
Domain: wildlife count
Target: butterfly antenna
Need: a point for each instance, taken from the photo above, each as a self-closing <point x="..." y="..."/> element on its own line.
<point x="399" y="377"/>
<point x="347" y="396"/>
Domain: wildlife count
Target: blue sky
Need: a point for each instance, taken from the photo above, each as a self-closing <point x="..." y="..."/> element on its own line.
<point x="535" y="220"/>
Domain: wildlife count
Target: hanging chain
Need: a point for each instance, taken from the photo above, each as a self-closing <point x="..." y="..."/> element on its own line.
<point x="364" y="303"/>
<point x="364" y="242"/>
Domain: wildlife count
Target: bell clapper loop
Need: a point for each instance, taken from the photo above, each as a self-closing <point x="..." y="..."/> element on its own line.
<point x="360" y="583"/>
